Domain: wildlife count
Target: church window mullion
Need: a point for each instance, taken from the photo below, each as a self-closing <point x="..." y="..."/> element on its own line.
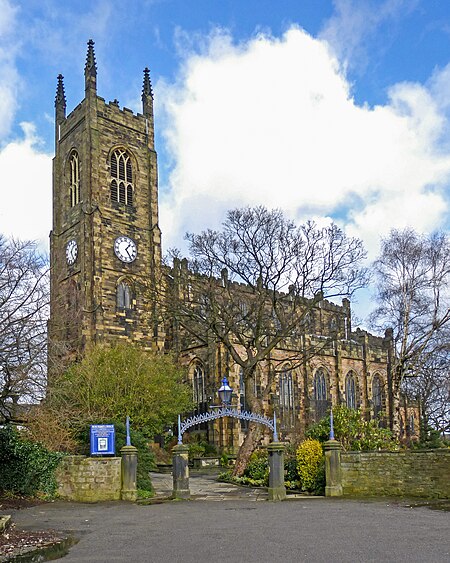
<point x="121" y="178"/>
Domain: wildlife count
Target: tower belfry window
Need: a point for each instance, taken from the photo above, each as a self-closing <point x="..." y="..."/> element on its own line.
<point x="74" y="179"/>
<point x="121" y="178"/>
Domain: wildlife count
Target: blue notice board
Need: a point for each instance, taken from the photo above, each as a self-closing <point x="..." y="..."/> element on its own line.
<point x="103" y="439"/>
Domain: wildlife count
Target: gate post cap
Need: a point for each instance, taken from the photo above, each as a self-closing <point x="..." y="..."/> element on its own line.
<point x="276" y="446"/>
<point x="180" y="448"/>
<point x="332" y="445"/>
<point x="128" y="450"/>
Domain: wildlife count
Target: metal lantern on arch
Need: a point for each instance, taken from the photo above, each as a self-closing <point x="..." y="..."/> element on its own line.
<point x="225" y="392"/>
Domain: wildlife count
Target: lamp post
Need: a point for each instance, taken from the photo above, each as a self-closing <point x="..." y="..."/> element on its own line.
<point x="225" y="392"/>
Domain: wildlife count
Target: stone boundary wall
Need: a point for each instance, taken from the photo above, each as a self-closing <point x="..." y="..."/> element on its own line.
<point x="421" y="473"/>
<point x="89" y="479"/>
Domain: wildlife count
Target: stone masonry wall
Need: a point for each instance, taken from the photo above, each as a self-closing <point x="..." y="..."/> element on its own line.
<point x="89" y="479"/>
<point x="405" y="473"/>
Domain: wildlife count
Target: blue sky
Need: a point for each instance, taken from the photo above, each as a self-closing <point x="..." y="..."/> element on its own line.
<point x="332" y="110"/>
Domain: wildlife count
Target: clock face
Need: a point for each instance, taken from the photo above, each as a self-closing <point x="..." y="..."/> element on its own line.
<point x="71" y="251"/>
<point x="125" y="249"/>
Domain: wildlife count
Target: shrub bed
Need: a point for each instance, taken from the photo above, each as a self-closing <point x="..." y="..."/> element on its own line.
<point x="27" y="467"/>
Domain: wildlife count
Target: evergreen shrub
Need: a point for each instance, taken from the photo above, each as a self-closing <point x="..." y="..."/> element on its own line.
<point x="257" y="470"/>
<point x="27" y="467"/>
<point x="291" y="479"/>
<point x="311" y="466"/>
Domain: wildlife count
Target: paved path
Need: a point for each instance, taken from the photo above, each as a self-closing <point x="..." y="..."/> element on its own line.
<point x="204" y="486"/>
<point x="307" y="530"/>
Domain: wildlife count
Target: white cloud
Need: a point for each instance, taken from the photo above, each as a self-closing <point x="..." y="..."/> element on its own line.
<point x="272" y="121"/>
<point x="25" y="189"/>
<point x="25" y="172"/>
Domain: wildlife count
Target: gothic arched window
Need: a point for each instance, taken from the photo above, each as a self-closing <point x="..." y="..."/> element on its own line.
<point x="199" y="387"/>
<point x="333" y="325"/>
<point x="121" y="178"/>
<point x="74" y="179"/>
<point x="320" y="394"/>
<point x="350" y="391"/>
<point x="286" y="398"/>
<point x="377" y="397"/>
<point x="124" y="295"/>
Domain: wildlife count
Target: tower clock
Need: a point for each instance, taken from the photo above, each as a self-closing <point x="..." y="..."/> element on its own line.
<point x="105" y="241"/>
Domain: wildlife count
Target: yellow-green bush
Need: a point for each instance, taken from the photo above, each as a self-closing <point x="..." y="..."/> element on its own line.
<point x="311" y="466"/>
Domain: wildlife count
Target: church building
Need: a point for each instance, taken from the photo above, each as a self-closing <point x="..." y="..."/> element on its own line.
<point x="105" y="241"/>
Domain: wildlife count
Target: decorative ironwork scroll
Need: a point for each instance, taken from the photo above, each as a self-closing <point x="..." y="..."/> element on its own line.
<point x="222" y="412"/>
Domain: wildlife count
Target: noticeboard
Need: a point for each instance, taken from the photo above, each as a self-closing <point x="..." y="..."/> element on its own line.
<point x="103" y="439"/>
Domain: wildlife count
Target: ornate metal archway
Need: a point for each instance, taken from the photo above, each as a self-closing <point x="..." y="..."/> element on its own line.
<point x="222" y="412"/>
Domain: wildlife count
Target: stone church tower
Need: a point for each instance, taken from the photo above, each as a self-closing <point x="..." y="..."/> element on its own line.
<point x="105" y="239"/>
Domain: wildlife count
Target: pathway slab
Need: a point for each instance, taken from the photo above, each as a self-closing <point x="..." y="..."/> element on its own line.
<point x="204" y="486"/>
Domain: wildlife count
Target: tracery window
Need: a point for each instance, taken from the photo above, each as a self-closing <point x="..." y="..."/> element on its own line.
<point x="124" y="295"/>
<point x="74" y="179"/>
<point x="286" y="398"/>
<point x="121" y="178"/>
<point x="320" y="394"/>
<point x="350" y="391"/>
<point x="377" y="398"/>
<point x="198" y="387"/>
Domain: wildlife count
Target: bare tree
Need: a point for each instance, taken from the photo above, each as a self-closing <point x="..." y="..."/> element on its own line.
<point x="23" y="318"/>
<point x="430" y="387"/>
<point x="413" y="294"/>
<point x="251" y="286"/>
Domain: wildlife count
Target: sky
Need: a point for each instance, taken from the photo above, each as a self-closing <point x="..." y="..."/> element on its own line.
<point x="332" y="110"/>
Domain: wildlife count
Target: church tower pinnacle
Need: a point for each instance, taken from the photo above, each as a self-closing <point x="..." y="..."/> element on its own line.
<point x="147" y="105"/>
<point x="60" y="99"/>
<point x="147" y="95"/>
<point x="60" y="105"/>
<point x="90" y="69"/>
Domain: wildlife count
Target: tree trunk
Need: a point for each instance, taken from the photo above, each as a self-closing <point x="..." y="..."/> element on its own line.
<point x="248" y="446"/>
<point x="396" y="408"/>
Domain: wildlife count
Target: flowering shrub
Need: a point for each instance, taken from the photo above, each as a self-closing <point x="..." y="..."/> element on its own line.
<point x="311" y="466"/>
